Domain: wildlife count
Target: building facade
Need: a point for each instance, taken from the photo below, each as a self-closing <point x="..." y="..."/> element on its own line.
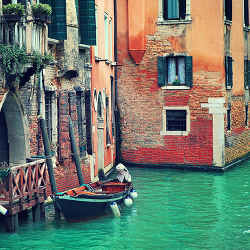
<point x="183" y="82"/>
<point x="75" y="85"/>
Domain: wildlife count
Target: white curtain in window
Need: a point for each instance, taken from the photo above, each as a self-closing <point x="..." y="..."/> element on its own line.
<point x="171" y="69"/>
<point x="181" y="69"/>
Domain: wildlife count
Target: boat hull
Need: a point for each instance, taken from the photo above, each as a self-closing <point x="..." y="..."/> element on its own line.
<point x="88" y="205"/>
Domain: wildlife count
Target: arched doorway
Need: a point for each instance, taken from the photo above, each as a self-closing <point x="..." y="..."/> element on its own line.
<point x="14" y="146"/>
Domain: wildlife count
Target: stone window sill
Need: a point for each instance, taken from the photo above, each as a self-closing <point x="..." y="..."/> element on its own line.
<point x="169" y="22"/>
<point x="180" y="133"/>
<point x="171" y="87"/>
<point x="227" y="22"/>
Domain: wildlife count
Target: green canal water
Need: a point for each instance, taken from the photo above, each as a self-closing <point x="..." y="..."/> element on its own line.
<point x="174" y="210"/>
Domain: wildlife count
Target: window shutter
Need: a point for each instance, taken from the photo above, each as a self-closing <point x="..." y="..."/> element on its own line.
<point x="77" y="9"/>
<point x="173" y="9"/>
<point x="162" y="71"/>
<point x="57" y="29"/>
<point x="248" y="73"/>
<point x="87" y="22"/>
<point x="189" y="71"/>
<point x="229" y="71"/>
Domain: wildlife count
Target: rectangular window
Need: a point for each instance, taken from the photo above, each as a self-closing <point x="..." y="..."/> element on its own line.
<point x="246" y="12"/>
<point x="96" y="46"/>
<point x="229" y="71"/>
<point x="174" y="9"/>
<point x="106" y="34"/>
<point x="48" y="113"/>
<point x="228" y="10"/>
<point x="111" y="39"/>
<point x="175" y="71"/>
<point x="176" y="120"/>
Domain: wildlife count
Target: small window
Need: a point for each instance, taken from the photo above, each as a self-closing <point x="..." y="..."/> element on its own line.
<point x="228" y="10"/>
<point x="175" y="71"/>
<point x="174" y="9"/>
<point x="176" y="120"/>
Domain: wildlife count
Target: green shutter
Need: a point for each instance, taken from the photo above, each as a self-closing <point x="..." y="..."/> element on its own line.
<point x="229" y="71"/>
<point x="248" y="73"/>
<point x="162" y="70"/>
<point x="87" y="22"/>
<point x="57" y="28"/>
<point x="189" y="71"/>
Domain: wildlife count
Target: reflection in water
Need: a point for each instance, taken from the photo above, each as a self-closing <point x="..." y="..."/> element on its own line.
<point x="174" y="210"/>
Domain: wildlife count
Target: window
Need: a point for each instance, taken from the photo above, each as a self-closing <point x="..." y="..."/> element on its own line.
<point x="229" y="71"/>
<point x="111" y="39"/>
<point x="175" y="120"/>
<point x="106" y="33"/>
<point x="174" y="9"/>
<point x="48" y="113"/>
<point x="228" y="10"/>
<point x="96" y="46"/>
<point x="246" y="12"/>
<point x="247" y="73"/>
<point x="175" y="71"/>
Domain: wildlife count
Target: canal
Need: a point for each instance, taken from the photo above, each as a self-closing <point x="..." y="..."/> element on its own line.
<point x="174" y="210"/>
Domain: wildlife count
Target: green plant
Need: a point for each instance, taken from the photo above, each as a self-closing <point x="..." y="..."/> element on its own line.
<point x="4" y="170"/>
<point x="11" y="57"/>
<point x="13" y="9"/>
<point x="39" y="61"/>
<point x="41" y="9"/>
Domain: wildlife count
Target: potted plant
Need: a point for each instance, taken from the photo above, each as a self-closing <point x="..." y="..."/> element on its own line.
<point x="41" y="12"/>
<point x="176" y="82"/>
<point x="13" y="12"/>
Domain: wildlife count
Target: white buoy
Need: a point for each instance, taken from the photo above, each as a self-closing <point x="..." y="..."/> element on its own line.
<point x="128" y="202"/>
<point x="133" y="194"/>
<point x="115" y="209"/>
<point x="3" y="210"/>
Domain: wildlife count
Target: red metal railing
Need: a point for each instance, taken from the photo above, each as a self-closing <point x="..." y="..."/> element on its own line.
<point x="25" y="186"/>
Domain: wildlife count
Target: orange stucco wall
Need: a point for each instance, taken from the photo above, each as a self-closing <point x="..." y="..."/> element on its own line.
<point x="101" y="73"/>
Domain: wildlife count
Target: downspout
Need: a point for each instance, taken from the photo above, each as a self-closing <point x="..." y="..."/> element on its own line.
<point x="116" y="111"/>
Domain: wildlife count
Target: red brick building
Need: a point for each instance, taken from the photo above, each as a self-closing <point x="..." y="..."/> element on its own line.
<point x="183" y="81"/>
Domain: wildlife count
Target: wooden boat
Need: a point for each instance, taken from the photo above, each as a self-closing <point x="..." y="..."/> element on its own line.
<point x="91" y="200"/>
<point x="87" y="200"/>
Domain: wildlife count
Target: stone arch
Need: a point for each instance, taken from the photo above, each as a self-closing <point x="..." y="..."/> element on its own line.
<point x="15" y="142"/>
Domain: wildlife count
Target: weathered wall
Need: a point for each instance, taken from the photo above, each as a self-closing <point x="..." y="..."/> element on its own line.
<point x="141" y="100"/>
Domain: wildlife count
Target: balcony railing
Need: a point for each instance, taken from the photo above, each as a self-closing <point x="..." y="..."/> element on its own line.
<point x="24" y="186"/>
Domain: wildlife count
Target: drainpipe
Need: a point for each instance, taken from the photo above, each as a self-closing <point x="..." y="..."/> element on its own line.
<point x="117" y="112"/>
